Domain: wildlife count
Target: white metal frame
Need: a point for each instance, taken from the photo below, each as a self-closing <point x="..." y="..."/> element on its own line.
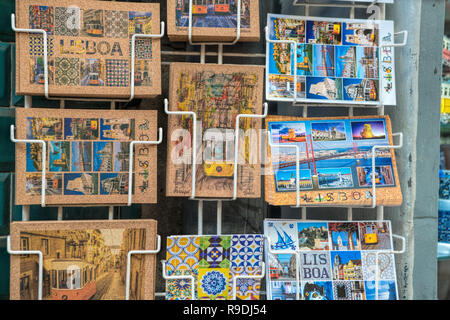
<point x="45" y="54"/>
<point x="180" y="277"/>
<point x="33" y="252"/>
<point x="131" y="162"/>
<point x="135" y="252"/>
<point x="44" y="159"/>
<point x="248" y="276"/>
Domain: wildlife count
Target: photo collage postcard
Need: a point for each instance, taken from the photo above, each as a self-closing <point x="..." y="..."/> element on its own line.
<point x="335" y="161"/>
<point x="83" y="260"/>
<point x="88" y="156"/>
<point x="333" y="61"/>
<point x="88" y="48"/>
<point x="325" y="260"/>
<point x="213" y="261"/>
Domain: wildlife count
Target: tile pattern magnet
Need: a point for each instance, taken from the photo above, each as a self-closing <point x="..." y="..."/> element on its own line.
<point x="89" y="48"/>
<point x="213" y="261"/>
<point x="335" y="60"/>
<point x="217" y="94"/>
<point x="335" y="161"/>
<point x="83" y="260"/>
<point x="329" y="260"/>
<point x="88" y="156"/>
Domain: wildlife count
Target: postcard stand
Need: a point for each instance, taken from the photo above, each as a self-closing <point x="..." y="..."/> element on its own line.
<point x="45" y="53"/>
<point x="380" y="106"/>
<point x="297" y="259"/>
<point x="28" y="102"/>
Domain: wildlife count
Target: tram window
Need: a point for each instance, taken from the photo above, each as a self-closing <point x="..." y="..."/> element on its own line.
<point x="62" y="277"/>
<point x="24" y="283"/>
<point x="54" y="279"/>
<point x="44" y="246"/>
<point x="24" y="245"/>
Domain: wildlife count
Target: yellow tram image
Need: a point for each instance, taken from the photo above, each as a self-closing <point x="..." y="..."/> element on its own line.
<point x="72" y="279"/>
<point x="199" y="7"/>
<point x="216" y="164"/>
<point x="371" y="236"/>
<point x="222" y="6"/>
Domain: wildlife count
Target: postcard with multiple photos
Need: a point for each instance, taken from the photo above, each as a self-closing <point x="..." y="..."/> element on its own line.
<point x="335" y="161"/>
<point x="88" y="156"/>
<point x="88" y="48"/>
<point x="213" y="261"/>
<point x="329" y="260"/>
<point x="335" y="60"/>
<point x="83" y="260"/>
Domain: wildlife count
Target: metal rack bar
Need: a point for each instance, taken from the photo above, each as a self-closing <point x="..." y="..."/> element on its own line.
<point x="238" y="29"/>
<point x="33" y="252"/>
<point x="377" y="272"/>
<point x="194" y="140"/>
<point x="335" y="5"/>
<point x="44" y="160"/>
<point x="297" y="160"/>
<point x="45" y="54"/>
<point x="134" y="252"/>
<point x="236" y="142"/>
<point x="293" y="45"/>
<point x="253" y="277"/>
<point x="190" y="277"/>
<point x="130" y="168"/>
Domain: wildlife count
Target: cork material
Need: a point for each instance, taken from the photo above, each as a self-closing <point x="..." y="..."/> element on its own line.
<point x="83" y="259"/>
<point x="89" y="48"/>
<point x="217" y="94"/>
<point x="389" y="194"/>
<point x="213" y="22"/>
<point x="87" y="156"/>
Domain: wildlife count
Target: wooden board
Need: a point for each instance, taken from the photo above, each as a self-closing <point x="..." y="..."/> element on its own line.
<point x="217" y="94"/>
<point x="83" y="259"/>
<point x="87" y="156"/>
<point x="346" y="182"/>
<point x="219" y="27"/>
<point x="89" y="48"/>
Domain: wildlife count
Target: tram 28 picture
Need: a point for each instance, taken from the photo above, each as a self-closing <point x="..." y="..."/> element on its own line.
<point x="81" y="264"/>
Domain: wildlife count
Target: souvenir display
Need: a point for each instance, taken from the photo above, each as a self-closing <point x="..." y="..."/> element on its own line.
<point x="213" y="261"/>
<point x="88" y="48"/>
<point x="214" y="20"/>
<point x="326" y="260"/>
<point x="334" y="60"/>
<point x="217" y="94"/>
<point x="335" y="161"/>
<point x="88" y="156"/>
<point x="83" y="260"/>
